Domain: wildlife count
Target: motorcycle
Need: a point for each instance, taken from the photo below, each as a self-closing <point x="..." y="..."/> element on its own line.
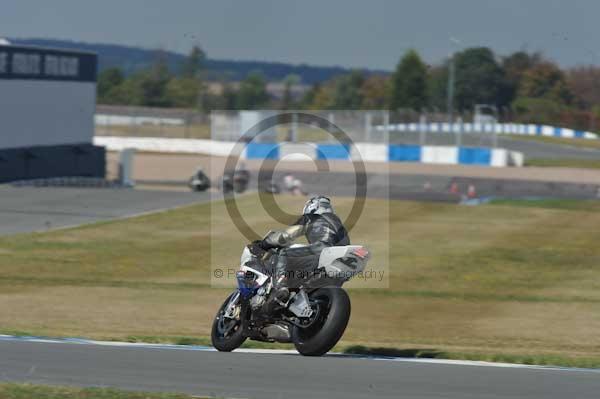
<point x="313" y="317"/>
<point x="199" y="181"/>
<point x="236" y="181"/>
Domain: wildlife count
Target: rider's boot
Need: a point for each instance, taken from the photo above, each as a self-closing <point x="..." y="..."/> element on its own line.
<point x="281" y="292"/>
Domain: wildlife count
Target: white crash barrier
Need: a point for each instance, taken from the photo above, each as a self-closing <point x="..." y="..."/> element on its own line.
<point x="439" y="154"/>
<point x="367" y="152"/>
<point x="191" y="146"/>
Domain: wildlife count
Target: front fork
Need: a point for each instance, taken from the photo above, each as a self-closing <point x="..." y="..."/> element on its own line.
<point x="231" y="310"/>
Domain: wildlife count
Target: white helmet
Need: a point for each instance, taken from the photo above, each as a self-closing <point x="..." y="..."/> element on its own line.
<point x="317" y="205"/>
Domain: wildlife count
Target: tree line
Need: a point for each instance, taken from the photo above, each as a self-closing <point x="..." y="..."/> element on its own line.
<point x="523" y="86"/>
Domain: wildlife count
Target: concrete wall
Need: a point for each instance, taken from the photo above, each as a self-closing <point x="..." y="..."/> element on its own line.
<point x="153" y="144"/>
<point x="47" y="97"/>
<point x="52" y="161"/>
<point x="36" y="113"/>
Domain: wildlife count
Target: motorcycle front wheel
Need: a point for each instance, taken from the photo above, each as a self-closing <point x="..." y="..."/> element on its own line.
<point x="332" y="313"/>
<point x="227" y="334"/>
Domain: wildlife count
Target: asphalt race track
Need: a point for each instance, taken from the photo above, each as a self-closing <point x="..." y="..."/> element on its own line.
<point x="264" y="375"/>
<point x="25" y="209"/>
<point x="411" y="187"/>
<point x="532" y="149"/>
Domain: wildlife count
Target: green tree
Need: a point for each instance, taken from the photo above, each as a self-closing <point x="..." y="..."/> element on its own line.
<point x="437" y="86"/>
<point x="130" y="91"/>
<point x="409" y="83"/>
<point x="347" y="93"/>
<point x="309" y="97"/>
<point x="515" y="66"/>
<point x="323" y="97"/>
<point x="153" y="83"/>
<point x="537" y="110"/>
<point x="547" y="81"/>
<point x="220" y="96"/>
<point x="194" y="64"/>
<point x="479" y="79"/>
<point x="108" y="81"/>
<point x="253" y="92"/>
<point x="124" y="94"/>
<point x="584" y="83"/>
<point x="183" y="92"/>
<point x="229" y="97"/>
<point x="287" y="101"/>
<point x="375" y="92"/>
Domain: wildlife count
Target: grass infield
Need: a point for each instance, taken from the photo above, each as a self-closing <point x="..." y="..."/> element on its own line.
<point x="564" y="163"/>
<point x="507" y="281"/>
<point x="572" y="142"/>
<point x="26" y="391"/>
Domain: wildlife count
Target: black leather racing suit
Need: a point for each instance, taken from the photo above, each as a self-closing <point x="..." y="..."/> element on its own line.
<point x="321" y="231"/>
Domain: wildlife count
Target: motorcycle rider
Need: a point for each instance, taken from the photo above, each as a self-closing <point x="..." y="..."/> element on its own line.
<point x="199" y="181"/>
<point x="322" y="228"/>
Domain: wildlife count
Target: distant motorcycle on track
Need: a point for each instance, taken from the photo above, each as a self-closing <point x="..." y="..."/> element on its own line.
<point x="199" y="181"/>
<point x="236" y="181"/>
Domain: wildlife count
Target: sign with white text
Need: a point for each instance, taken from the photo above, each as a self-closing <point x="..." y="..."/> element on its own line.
<point x="44" y="64"/>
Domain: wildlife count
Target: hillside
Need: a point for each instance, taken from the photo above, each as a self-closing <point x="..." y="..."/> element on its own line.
<point x="131" y="59"/>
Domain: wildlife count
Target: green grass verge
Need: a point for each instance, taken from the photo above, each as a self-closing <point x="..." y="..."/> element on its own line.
<point x="26" y="391"/>
<point x="504" y="279"/>
<point x="564" y="163"/>
<point x="563" y="204"/>
<point x="432" y="353"/>
<point x="582" y="143"/>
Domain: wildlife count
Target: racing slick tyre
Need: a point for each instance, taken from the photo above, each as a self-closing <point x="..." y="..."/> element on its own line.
<point x="227" y="333"/>
<point x="331" y="314"/>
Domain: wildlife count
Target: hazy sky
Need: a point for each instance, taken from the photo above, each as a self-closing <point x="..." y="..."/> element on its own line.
<point x="358" y="33"/>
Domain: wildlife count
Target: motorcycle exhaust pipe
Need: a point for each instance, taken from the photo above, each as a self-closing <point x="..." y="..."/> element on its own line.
<point x="277" y="332"/>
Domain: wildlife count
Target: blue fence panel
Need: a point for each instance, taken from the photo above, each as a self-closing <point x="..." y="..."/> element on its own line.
<point x="557" y="132"/>
<point x="578" y="134"/>
<point x="262" y="151"/>
<point x="333" y="151"/>
<point x="404" y="153"/>
<point x="538" y="130"/>
<point x="474" y="156"/>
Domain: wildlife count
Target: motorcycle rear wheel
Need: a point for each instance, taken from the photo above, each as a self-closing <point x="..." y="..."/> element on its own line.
<point x="333" y="314"/>
<point x="225" y="336"/>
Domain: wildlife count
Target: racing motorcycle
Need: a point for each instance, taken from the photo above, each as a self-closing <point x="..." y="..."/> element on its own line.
<point x="235" y="181"/>
<point x="313" y="317"/>
<point x="199" y="181"/>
